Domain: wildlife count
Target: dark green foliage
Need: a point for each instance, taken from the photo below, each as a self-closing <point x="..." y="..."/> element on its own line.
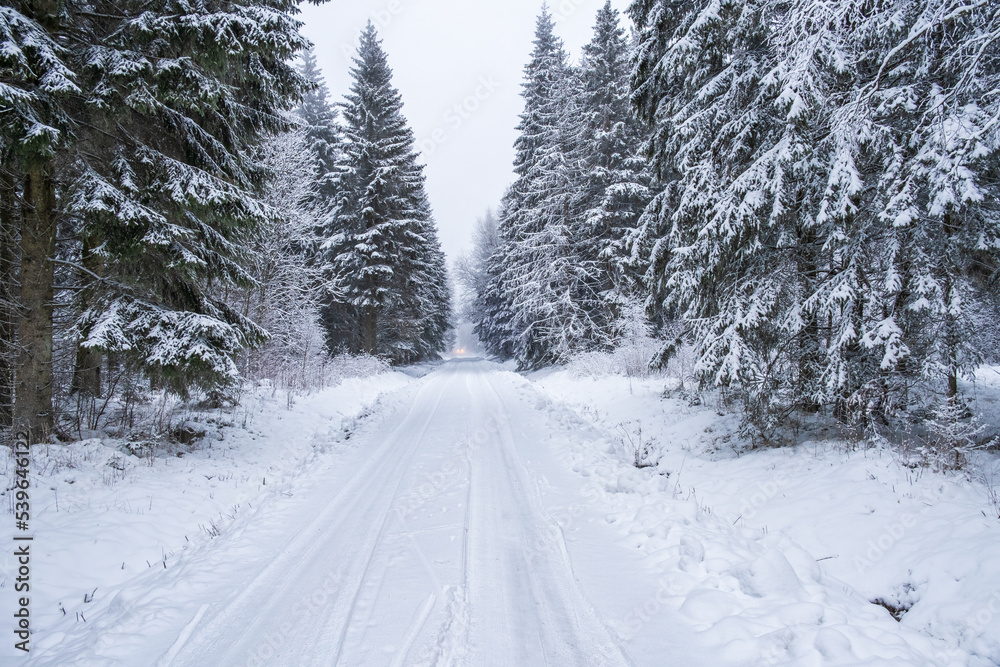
<point x="384" y="266"/>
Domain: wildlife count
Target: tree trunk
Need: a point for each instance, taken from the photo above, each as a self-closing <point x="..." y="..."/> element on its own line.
<point x="952" y="335"/>
<point x="87" y="373"/>
<point x="33" y="412"/>
<point x="810" y="355"/>
<point x="8" y="295"/>
<point x="952" y="341"/>
<point x="370" y="327"/>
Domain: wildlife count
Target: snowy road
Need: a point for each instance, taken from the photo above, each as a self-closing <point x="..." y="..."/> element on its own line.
<point x="467" y="517"/>
<point x="439" y="550"/>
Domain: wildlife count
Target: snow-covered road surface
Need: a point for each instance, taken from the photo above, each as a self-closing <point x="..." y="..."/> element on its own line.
<point x="468" y="517"/>
<point x="439" y="550"/>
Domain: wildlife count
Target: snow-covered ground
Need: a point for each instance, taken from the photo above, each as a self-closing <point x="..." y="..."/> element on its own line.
<point x="854" y="524"/>
<point x="123" y="543"/>
<point x="472" y="516"/>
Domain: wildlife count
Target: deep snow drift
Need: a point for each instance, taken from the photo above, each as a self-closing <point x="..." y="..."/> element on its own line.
<point x="473" y="516"/>
<point x="857" y="521"/>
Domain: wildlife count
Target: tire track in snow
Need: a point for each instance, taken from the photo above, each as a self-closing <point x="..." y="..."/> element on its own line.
<point x="376" y="577"/>
<point x="402" y="469"/>
<point x="500" y="590"/>
<point x="453" y="637"/>
<point x="258" y="606"/>
<point x="544" y="599"/>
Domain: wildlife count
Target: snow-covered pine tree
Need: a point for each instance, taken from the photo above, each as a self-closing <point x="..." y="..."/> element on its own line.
<point x="492" y="325"/>
<point x="824" y="173"/>
<point x="163" y="180"/>
<point x="508" y="311"/>
<point x="559" y="280"/>
<point x="471" y="268"/>
<point x="416" y="326"/>
<point x="558" y="309"/>
<point x="614" y="188"/>
<point x="931" y="107"/>
<point x="429" y="278"/>
<point x="733" y="223"/>
<point x="501" y="325"/>
<point x="322" y="131"/>
<point x="546" y="303"/>
<point x="381" y="252"/>
<point x="36" y="88"/>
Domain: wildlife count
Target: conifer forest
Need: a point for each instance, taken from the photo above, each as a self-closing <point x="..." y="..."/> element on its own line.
<point x="564" y="332"/>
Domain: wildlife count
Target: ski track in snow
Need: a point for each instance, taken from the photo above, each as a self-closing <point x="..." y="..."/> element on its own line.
<point x="465" y="569"/>
<point x="474" y="522"/>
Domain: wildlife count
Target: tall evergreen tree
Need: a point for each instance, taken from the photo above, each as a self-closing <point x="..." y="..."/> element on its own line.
<point x="614" y="182"/>
<point x="322" y="131"/>
<point x="37" y="87"/>
<point x="340" y="320"/>
<point x="539" y="273"/>
<point x="501" y="322"/>
<point x="158" y="184"/>
<point x="166" y="184"/>
<point x="381" y="251"/>
<point x="546" y="276"/>
<point x="825" y="173"/>
<point x="560" y="278"/>
<point x="492" y="304"/>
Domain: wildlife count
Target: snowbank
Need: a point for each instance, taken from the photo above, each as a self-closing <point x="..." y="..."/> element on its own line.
<point x="117" y="527"/>
<point x="798" y="556"/>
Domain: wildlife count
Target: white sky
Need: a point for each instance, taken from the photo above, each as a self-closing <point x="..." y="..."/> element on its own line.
<point x="448" y="53"/>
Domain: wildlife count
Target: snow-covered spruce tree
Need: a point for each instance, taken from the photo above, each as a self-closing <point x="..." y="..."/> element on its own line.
<point x="562" y="275"/>
<point x="729" y="225"/>
<point x="37" y="87"/>
<point x="546" y="283"/>
<point x="340" y="320"/>
<point x="431" y="281"/>
<point x="164" y="181"/>
<point x="322" y="131"/>
<point x="471" y="269"/>
<point x="381" y="254"/>
<point x="932" y="104"/>
<point x="492" y="325"/>
<point x="502" y="326"/>
<point x="823" y="172"/>
<point x="614" y="188"/>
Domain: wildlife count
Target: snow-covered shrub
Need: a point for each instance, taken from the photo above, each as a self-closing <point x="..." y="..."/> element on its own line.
<point x="321" y="371"/>
<point x="954" y="433"/>
<point x="384" y="273"/>
<point x="992" y="493"/>
<point x="636" y="349"/>
<point x="345" y="366"/>
<point x="629" y="361"/>
<point x="640" y="451"/>
<point x="942" y="434"/>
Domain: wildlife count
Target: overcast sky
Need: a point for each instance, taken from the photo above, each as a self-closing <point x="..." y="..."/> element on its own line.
<point x="458" y="65"/>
